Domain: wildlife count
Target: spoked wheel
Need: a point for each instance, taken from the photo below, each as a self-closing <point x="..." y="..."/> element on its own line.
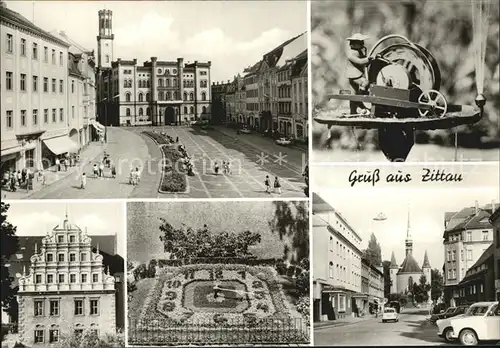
<point x="436" y="100"/>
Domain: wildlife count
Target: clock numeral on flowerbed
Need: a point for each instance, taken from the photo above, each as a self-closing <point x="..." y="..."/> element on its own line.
<point x="189" y="274"/>
<point x="243" y="274"/>
<point x="216" y="275"/>
<point x="173" y="284"/>
<point x="168" y="306"/>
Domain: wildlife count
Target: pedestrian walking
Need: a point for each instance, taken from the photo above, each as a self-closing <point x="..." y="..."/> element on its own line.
<point x="216" y="168"/>
<point x="83" y="181"/>
<point x="65" y="162"/>
<point x="137" y="175"/>
<point x="101" y="170"/>
<point x="113" y="171"/>
<point x="13" y="182"/>
<point x="267" y="182"/>
<point x="19" y="178"/>
<point x="277" y="185"/>
<point x="95" y="170"/>
<point x="58" y="164"/>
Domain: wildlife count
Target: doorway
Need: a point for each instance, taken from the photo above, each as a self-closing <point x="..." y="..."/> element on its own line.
<point x="169" y="115"/>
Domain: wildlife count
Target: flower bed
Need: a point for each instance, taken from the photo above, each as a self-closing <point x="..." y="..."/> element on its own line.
<point x="174" y="175"/>
<point x="249" y="306"/>
<point x="160" y="139"/>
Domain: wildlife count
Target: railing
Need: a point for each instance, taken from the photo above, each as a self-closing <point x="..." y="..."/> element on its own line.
<point x="227" y="332"/>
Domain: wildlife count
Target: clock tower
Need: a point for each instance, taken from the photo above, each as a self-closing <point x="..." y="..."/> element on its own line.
<point x="105" y="39"/>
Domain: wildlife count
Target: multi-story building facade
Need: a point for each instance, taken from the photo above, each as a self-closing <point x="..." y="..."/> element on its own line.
<point x="35" y="125"/>
<point x="337" y="266"/>
<point x="372" y="287"/>
<point x="239" y="97"/>
<point x="495" y="222"/>
<point x="300" y="97"/>
<point x="468" y="233"/>
<point x="251" y="116"/>
<point x="219" y="104"/>
<point x="155" y="93"/>
<point x="478" y="283"/>
<point x="66" y="289"/>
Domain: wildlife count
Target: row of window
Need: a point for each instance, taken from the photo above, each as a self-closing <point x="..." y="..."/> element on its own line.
<point x="451" y="255"/>
<point x="468" y="236"/>
<point x="252" y="93"/>
<point x="342" y="274"/>
<point x="61" y="278"/>
<point x="54" y="334"/>
<point x="23" y="51"/>
<point x="49" y="257"/>
<point x="165" y="96"/>
<point x="140" y="111"/>
<point x="23" y="83"/>
<point x="9" y="122"/>
<point x="55" y="307"/>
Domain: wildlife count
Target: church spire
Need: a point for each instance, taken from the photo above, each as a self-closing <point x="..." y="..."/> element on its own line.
<point x="408" y="241"/>
<point x="426" y="263"/>
<point x="393" y="261"/>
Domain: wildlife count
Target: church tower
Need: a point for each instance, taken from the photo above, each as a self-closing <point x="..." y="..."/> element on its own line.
<point x="105" y="39"/>
<point x="393" y="272"/>
<point x="408" y="241"/>
<point x="426" y="270"/>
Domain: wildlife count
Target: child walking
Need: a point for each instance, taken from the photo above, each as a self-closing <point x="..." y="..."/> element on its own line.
<point x="268" y="184"/>
<point x="277" y="185"/>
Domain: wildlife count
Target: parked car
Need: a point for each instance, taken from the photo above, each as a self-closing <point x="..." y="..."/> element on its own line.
<point x="481" y="323"/>
<point x="245" y="130"/>
<point x="444" y="325"/>
<point x="283" y="141"/>
<point x="449" y="313"/>
<point x="390" y="314"/>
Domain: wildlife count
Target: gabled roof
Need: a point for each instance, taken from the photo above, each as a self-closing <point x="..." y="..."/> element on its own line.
<point x="17" y="19"/>
<point x="488" y="253"/>
<point x="409" y="265"/>
<point x="320" y="205"/>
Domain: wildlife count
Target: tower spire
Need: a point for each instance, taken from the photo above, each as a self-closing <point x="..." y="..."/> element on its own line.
<point x="426" y="263"/>
<point x="408" y="241"/>
<point x="393" y="260"/>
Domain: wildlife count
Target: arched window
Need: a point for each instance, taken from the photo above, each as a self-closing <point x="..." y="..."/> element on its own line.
<point x="148" y="111"/>
<point x="147" y="96"/>
<point x="127" y="97"/>
<point x="141" y="112"/>
<point x="410" y="283"/>
<point x="168" y="95"/>
<point x="174" y="82"/>
<point x="148" y="83"/>
<point x="330" y="269"/>
<point x="160" y="82"/>
<point x="185" y="96"/>
<point x="160" y="95"/>
<point x="127" y="112"/>
<point x="174" y="95"/>
<point x="167" y="82"/>
<point x="141" y="97"/>
<point x="185" y="110"/>
<point x="140" y="83"/>
<point x="125" y="83"/>
<point x="191" y="96"/>
<point x="204" y="109"/>
<point x="191" y="110"/>
<point x="203" y="96"/>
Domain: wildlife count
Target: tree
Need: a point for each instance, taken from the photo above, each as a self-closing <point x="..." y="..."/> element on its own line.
<point x="436" y="284"/>
<point x="373" y="253"/>
<point x="130" y="265"/>
<point x="387" y="278"/>
<point x="186" y="242"/>
<point x="291" y="222"/>
<point x="9" y="246"/>
<point x="420" y="291"/>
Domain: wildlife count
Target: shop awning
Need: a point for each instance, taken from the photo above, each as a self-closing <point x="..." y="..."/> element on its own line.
<point x="60" y="145"/>
<point x="99" y="127"/>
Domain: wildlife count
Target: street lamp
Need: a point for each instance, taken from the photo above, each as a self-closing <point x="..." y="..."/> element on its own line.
<point x="106" y="116"/>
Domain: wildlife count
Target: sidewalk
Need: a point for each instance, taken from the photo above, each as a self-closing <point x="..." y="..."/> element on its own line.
<point x="87" y="155"/>
<point x="342" y="322"/>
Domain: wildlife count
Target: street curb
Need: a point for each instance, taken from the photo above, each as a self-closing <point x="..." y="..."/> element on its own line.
<point x="160" y="146"/>
<point x="340" y="324"/>
<point x="65" y="176"/>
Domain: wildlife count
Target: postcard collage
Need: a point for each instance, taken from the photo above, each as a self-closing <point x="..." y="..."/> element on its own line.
<point x="250" y="173"/>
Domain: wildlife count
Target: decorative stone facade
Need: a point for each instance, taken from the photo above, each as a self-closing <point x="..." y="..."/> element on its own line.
<point x="66" y="289"/>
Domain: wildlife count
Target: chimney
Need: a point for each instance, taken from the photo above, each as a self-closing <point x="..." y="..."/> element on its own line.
<point x="476" y="207"/>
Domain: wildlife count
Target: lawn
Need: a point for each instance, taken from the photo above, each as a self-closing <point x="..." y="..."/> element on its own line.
<point x="174" y="175"/>
<point x="183" y="307"/>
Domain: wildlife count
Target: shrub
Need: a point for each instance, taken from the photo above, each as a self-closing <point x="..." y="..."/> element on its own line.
<point x="303" y="307"/>
<point x="90" y="339"/>
<point x="156" y="137"/>
<point x="174" y="182"/>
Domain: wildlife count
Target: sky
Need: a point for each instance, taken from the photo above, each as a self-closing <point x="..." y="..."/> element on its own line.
<point x="35" y="218"/>
<point x="143" y="222"/>
<point x="427" y="208"/>
<point x="231" y="34"/>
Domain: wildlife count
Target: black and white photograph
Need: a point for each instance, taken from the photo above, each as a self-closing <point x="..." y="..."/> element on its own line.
<point x="154" y="99"/>
<point x="410" y="80"/>
<point x="406" y="267"/>
<point x="63" y="280"/>
<point x="230" y="273"/>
